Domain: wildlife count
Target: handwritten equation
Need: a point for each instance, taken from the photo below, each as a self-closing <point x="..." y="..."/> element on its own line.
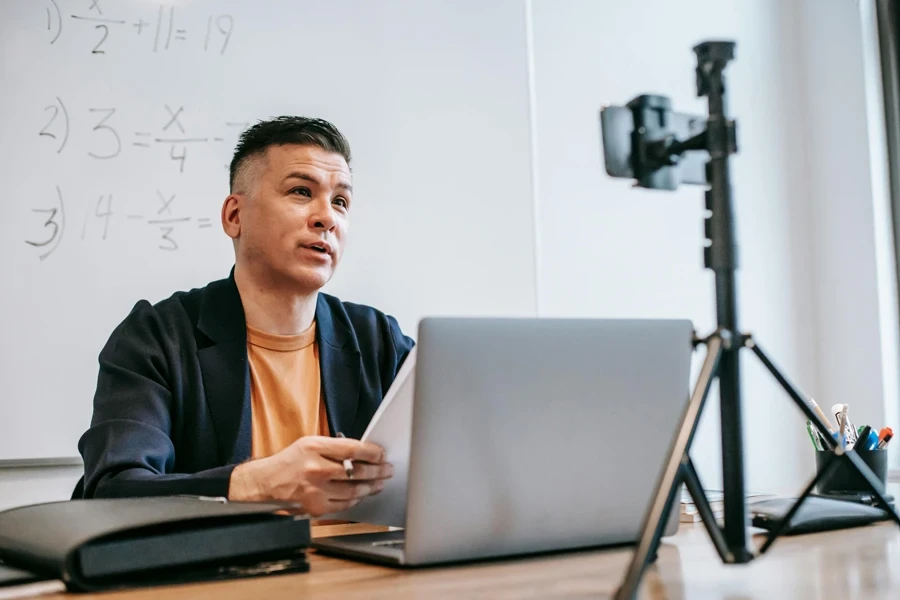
<point x="100" y="215"/>
<point x="164" y="32"/>
<point x="106" y="135"/>
<point x="165" y="137"/>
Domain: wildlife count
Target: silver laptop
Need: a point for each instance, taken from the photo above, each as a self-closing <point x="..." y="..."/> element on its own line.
<point x="533" y="435"/>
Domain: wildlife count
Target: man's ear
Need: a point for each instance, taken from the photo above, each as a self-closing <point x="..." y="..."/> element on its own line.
<point x="231" y="215"/>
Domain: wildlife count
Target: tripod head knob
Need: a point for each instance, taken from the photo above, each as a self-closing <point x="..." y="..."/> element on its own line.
<point x="722" y="51"/>
<point x="712" y="57"/>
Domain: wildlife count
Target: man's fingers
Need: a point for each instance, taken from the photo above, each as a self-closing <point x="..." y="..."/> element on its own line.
<point x="344" y="448"/>
<point x="339" y="505"/>
<point x="367" y="472"/>
<point x="352" y="490"/>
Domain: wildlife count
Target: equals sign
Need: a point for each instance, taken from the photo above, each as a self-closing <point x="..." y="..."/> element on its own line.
<point x="203" y="223"/>
<point x="180" y="33"/>
<point x="142" y="142"/>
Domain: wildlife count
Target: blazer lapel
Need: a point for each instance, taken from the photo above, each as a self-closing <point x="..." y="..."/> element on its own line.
<point x="225" y="370"/>
<point x="339" y="365"/>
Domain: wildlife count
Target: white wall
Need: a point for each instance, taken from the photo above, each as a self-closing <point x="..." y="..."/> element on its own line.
<point x="30" y="485"/>
<point x="612" y="251"/>
<point x="855" y="293"/>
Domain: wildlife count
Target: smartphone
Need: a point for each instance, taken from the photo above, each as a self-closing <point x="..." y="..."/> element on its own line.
<point x="617" y="133"/>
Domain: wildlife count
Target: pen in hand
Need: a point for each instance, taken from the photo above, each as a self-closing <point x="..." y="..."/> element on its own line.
<point x="348" y="464"/>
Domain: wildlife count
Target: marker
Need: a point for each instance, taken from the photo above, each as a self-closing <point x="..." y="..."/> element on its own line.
<point x="842" y="416"/>
<point x="862" y="442"/>
<point x="872" y="442"/>
<point x="884" y="436"/>
<point x="348" y="464"/>
<point x="841" y="441"/>
<point x="812" y="435"/>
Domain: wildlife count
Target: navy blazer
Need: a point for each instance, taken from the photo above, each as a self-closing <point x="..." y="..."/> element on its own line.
<point x="172" y="407"/>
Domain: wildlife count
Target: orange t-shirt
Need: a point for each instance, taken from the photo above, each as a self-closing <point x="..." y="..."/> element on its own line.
<point x="285" y="389"/>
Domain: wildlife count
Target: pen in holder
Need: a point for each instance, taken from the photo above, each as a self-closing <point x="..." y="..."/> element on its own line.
<point x="844" y="479"/>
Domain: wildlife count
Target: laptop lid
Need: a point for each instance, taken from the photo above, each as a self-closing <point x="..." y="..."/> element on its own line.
<point x="532" y="435"/>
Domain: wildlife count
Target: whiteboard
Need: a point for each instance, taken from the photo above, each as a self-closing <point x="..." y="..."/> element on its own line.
<point x="118" y="120"/>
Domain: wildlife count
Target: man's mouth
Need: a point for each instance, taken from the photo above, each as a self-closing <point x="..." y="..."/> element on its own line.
<point x="320" y="247"/>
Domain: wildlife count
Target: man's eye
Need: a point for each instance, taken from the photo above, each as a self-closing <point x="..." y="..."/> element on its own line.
<point x="341" y="202"/>
<point x="303" y="191"/>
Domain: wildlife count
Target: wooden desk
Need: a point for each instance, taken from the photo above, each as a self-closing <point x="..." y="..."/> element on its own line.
<point x="857" y="563"/>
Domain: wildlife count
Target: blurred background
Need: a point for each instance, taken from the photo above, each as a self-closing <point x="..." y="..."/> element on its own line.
<point x="480" y="186"/>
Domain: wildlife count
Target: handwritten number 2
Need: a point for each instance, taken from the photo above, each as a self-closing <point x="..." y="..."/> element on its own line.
<point x="97" y="49"/>
<point x="50" y="122"/>
<point x="56" y="108"/>
<point x="102" y="125"/>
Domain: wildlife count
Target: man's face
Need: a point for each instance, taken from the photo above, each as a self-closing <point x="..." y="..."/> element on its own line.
<point x="291" y="220"/>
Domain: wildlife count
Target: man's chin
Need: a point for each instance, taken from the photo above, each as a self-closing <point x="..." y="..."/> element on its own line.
<point x="310" y="280"/>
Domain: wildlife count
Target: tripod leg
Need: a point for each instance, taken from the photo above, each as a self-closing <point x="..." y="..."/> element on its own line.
<point x="692" y="481"/>
<point x="874" y="484"/>
<point x="657" y="513"/>
<point x="823" y="474"/>
<point x="800" y="400"/>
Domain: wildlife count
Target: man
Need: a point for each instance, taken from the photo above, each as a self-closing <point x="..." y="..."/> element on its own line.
<point x="258" y="366"/>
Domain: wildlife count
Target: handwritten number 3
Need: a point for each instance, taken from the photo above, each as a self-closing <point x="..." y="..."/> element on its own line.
<point x="49" y="222"/>
<point x="173" y="244"/>
<point x="102" y="125"/>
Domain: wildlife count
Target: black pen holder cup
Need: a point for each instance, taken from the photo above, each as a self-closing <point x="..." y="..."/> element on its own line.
<point x="844" y="478"/>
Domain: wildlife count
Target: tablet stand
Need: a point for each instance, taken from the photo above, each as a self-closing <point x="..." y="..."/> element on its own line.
<point x="652" y="152"/>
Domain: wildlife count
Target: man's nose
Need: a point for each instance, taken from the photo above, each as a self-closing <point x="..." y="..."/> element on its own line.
<point x="322" y="215"/>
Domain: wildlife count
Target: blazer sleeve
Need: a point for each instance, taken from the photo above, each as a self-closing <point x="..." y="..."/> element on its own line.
<point x="128" y="450"/>
<point x="402" y="343"/>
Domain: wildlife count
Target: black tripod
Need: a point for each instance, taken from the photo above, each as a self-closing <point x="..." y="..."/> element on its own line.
<point x="722" y="346"/>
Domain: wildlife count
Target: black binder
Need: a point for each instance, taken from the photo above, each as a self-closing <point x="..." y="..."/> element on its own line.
<point x="817" y="513"/>
<point x="106" y="544"/>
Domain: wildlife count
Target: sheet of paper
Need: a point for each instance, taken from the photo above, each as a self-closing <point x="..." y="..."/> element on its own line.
<point x="390" y="428"/>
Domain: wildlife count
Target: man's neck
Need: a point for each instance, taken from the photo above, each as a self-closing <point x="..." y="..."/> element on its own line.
<point x="272" y="308"/>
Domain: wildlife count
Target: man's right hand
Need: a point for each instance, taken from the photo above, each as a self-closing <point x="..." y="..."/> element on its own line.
<point x="310" y="471"/>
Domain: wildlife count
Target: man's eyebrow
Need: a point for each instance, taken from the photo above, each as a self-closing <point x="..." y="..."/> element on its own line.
<point x="311" y="179"/>
<point x="304" y="177"/>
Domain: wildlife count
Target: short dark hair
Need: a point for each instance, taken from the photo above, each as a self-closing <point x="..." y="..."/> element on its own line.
<point x="287" y="130"/>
